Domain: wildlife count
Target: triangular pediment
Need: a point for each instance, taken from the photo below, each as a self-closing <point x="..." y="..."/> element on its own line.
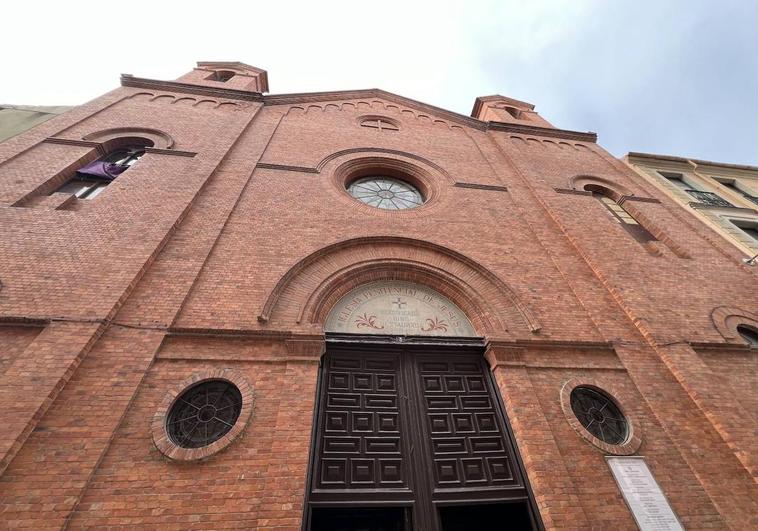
<point x="419" y="109"/>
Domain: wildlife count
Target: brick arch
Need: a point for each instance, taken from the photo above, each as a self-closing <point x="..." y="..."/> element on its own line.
<point x="726" y="320"/>
<point x="412" y="158"/>
<point x="614" y="190"/>
<point x="159" y="139"/>
<point x="307" y="292"/>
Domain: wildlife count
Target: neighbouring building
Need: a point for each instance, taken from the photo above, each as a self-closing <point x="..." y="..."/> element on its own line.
<point x="352" y="310"/>
<point x="724" y="196"/>
<point x="15" y="119"/>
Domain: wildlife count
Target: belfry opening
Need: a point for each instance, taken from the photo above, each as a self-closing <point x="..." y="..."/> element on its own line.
<point x="410" y="432"/>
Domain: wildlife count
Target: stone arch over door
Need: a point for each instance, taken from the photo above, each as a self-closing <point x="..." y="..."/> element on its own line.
<point x="307" y="292"/>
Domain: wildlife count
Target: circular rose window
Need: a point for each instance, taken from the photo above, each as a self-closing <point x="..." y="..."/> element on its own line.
<point x="599" y="415"/>
<point x="386" y="192"/>
<point x="204" y="413"/>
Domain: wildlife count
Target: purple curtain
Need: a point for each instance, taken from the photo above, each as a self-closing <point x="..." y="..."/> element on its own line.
<point x="104" y="170"/>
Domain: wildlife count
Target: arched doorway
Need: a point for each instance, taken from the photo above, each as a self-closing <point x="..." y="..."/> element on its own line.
<point x="410" y="432"/>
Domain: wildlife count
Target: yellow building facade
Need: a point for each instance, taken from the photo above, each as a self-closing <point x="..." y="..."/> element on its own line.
<point x="724" y="196"/>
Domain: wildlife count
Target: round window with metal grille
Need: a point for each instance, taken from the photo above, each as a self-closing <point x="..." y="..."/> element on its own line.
<point x="599" y="415"/>
<point x="387" y="193"/>
<point x="204" y="413"/>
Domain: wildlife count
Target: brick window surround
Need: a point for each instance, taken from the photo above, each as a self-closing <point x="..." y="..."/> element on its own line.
<point x="726" y="320"/>
<point x="633" y="440"/>
<point x="158" y="424"/>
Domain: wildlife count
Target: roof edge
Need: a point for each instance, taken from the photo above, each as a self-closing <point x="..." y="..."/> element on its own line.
<point x="128" y="80"/>
<point x="687" y="160"/>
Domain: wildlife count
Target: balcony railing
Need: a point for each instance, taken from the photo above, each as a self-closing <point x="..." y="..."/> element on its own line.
<point x="709" y="198"/>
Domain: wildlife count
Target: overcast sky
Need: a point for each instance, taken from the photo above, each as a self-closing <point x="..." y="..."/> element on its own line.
<point x="668" y="76"/>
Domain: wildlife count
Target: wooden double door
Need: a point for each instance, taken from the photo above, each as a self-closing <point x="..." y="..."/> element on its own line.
<point x="412" y="437"/>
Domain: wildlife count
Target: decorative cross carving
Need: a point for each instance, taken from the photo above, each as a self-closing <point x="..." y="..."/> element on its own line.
<point x="400" y="303"/>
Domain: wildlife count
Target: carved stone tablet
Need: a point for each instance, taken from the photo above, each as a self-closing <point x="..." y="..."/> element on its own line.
<point x="650" y="508"/>
<point x="398" y="308"/>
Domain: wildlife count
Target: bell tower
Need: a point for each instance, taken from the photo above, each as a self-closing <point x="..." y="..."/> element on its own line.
<point x="507" y="110"/>
<point x="232" y="75"/>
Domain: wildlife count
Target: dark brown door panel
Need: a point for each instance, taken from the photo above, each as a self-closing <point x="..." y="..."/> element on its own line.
<point x="414" y="428"/>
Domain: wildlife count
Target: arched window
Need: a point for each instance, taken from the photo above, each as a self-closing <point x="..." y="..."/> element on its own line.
<point x="91" y="179"/>
<point x="748" y="334"/>
<point x="621" y="216"/>
<point x="375" y="122"/>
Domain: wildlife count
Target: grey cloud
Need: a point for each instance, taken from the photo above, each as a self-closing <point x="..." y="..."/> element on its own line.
<point x="665" y="77"/>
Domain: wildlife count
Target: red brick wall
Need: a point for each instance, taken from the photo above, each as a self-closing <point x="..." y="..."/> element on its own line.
<point x="13" y="341"/>
<point x="169" y="273"/>
<point x="258" y="481"/>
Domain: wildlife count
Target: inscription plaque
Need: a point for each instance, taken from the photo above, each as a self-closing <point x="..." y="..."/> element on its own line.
<point x="398" y="308"/>
<point x="643" y="495"/>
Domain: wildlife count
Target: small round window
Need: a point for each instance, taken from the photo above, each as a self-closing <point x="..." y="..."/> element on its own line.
<point x="386" y="192"/>
<point x="204" y="413"/>
<point x="599" y="415"/>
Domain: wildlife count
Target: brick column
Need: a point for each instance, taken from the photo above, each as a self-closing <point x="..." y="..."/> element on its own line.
<point x="34" y="379"/>
<point x="713" y="395"/>
<point x="554" y="491"/>
<point x="282" y="500"/>
<point x="723" y="477"/>
<point x="57" y="460"/>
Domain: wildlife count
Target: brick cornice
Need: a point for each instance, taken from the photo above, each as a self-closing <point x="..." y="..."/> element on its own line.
<point x="127" y="80"/>
<point x="284" y="167"/>
<point x="637" y="198"/>
<point x="101" y="149"/>
<point x="305" y="349"/>
<point x="12" y="320"/>
<point x="232" y="333"/>
<point x="537" y="343"/>
<point x="175" y="152"/>
<point x="74" y="142"/>
<point x="571" y="191"/>
<point x="543" y="131"/>
<point x="498" y="353"/>
<point x="476" y="186"/>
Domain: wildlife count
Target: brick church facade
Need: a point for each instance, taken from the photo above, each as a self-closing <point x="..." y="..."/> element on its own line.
<point x="221" y="308"/>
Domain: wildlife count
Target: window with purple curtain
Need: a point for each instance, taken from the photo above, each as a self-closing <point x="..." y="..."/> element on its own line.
<point x="92" y="178"/>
